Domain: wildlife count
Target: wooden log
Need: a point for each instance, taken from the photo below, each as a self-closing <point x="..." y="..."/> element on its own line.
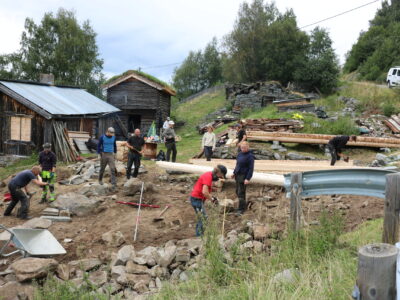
<point x="392" y="209"/>
<point x="295" y="200"/>
<point x="301" y="140"/>
<point x="376" y="276"/>
<point x="264" y="178"/>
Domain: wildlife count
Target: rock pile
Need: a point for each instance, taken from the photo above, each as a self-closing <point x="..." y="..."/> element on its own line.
<point x="382" y="160"/>
<point x="128" y="273"/>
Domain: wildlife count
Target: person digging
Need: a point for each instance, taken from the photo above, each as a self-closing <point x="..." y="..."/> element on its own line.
<point x="202" y="192"/>
<point x="21" y="180"/>
<point x="135" y="144"/>
<point x="335" y="146"/>
<point x="47" y="161"/>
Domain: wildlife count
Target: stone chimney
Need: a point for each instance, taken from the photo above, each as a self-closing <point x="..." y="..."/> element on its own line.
<point x="47" y="78"/>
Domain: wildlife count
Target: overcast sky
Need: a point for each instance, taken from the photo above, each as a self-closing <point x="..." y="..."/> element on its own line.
<point x="157" y="34"/>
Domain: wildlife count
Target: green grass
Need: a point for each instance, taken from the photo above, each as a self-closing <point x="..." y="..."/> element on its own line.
<point x="326" y="265"/>
<point x="192" y="113"/>
<point x="18" y="166"/>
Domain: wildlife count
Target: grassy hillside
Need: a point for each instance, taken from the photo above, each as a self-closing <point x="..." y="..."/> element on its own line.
<point x="373" y="99"/>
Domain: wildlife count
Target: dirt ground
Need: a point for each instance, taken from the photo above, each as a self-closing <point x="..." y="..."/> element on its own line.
<point x="268" y="205"/>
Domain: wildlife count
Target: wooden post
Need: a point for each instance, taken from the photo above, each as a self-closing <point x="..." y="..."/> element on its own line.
<point x="295" y="200"/>
<point x="376" y="276"/>
<point x="392" y="209"/>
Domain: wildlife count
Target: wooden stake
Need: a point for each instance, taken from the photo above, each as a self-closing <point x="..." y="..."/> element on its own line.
<point x="392" y="209"/>
<point x="376" y="276"/>
<point x="138" y="213"/>
<point x="295" y="200"/>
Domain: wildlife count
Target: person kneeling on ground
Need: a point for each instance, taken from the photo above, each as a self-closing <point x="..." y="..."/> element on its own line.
<point x="21" y="180"/>
<point x="47" y="161"/>
<point x="243" y="172"/>
<point x="202" y="191"/>
<point x="208" y="142"/>
<point x="335" y="146"/>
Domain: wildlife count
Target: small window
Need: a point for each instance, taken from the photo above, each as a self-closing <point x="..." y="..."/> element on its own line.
<point x="398" y="72"/>
<point x="394" y="72"/>
<point x="21" y="129"/>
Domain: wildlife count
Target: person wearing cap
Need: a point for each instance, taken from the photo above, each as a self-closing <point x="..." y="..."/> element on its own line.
<point x="165" y="125"/>
<point x="169" y="137"/>
<point x="107" y="148"/>
<point x="48" y="161"/>
<point x="208" y="142"/>
<point x="21" y="180"/>
<point x="202" y="192"/>
<point x="242" y="174"/>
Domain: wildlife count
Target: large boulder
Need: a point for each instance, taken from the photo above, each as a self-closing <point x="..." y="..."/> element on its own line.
<point x="165" y="256"/>
<point x="113" y="238"/>
<point x="14" y="290"/>
<point x="85" y="264"/>
<point x="39" y="223"/>
<point x="94" y="189"/>
<point x="77" y="204"/>
<point x="134" y="186"/>
<point x="124" y="254"/>
<point x="32" y="267"/>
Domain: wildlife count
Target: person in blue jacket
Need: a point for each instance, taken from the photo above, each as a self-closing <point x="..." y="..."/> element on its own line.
<point x="243" y="172"/>
<point x="107" y="148"/>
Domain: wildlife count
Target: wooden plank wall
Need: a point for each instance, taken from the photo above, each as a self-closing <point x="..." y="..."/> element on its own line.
<point x="8" y="108"/>
<point x="132" y="96"/>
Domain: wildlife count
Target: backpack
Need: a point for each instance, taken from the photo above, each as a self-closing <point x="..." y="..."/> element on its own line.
<point x="160" y="156"/>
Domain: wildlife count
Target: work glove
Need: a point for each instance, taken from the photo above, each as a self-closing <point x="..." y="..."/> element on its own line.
<point x="51" y="175"/>
<point x="214" y="200"/>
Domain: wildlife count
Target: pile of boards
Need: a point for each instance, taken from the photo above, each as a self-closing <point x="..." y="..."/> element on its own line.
<point x="305" y="138"/>
<point x="300" y="104"/>
<point x="273" y="125"/>
<point x="393" y="123"/>
<point x="216" y="123"/>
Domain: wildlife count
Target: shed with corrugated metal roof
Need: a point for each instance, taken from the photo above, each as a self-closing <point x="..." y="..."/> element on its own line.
<point x="27" y="110"/>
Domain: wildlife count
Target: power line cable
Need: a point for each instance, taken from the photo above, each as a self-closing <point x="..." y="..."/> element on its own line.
<point x="340" y="14"/>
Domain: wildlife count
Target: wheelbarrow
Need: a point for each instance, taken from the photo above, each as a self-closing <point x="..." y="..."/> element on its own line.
<point x="31" y="242"/>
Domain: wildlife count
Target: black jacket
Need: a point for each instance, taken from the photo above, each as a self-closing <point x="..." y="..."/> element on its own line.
<point x="47" y="160"/>
<point x="338" y="142"/>
<point x="244" y="164"/>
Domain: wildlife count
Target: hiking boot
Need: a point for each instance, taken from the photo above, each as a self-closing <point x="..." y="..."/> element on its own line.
<point x="26" y="217"/>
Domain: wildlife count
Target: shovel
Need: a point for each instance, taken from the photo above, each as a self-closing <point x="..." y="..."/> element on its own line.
<point x="160" y="217"/>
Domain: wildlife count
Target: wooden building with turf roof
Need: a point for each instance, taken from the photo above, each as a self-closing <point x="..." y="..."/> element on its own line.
<point x="141" y="98"/>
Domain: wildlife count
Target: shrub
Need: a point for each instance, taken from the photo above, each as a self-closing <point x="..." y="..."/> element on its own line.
<point x="389" y="109"/>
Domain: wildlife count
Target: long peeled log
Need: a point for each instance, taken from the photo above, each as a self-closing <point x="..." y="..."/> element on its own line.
<point x="264" y="178"/>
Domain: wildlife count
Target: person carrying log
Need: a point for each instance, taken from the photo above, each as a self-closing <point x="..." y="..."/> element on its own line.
<point x="242" y="174"/>
<point x="169" y="138"/>
<point x="21" y="180"/>
<point x="335" y="146"/>
<point x="48" y="161"/>
<point x="202" y="192"/>
<point x="208" y="142"/>
<point x="107" y="149"/>
<point x="135" y="144"/>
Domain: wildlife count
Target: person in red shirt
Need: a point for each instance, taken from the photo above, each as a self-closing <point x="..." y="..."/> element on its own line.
<point x="202" y="191"/>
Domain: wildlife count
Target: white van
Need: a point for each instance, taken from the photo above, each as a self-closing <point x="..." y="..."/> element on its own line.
<point x="393" y="77"/>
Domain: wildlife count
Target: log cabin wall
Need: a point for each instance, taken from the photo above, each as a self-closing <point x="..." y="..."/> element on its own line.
<point x="21" y="129"/>
<point x="135" y="98"/>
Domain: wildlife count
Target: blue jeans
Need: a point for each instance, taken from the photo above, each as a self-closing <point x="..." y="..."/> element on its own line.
<point x="198" y="206"/>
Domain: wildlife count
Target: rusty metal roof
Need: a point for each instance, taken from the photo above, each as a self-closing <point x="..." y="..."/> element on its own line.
<point x="50" y="100"/>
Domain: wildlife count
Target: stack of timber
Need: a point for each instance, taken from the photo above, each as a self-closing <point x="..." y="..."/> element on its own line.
<point x="64" y="150"/>
<point x="393" y="123"/>
<point x="216" y="123"/>
<point x="302" y="104"/>
<point x="273" y="125"/>
<point x="280" y="166"/>
<point x="78" y="139"/>
<point x="305" y="138"/>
